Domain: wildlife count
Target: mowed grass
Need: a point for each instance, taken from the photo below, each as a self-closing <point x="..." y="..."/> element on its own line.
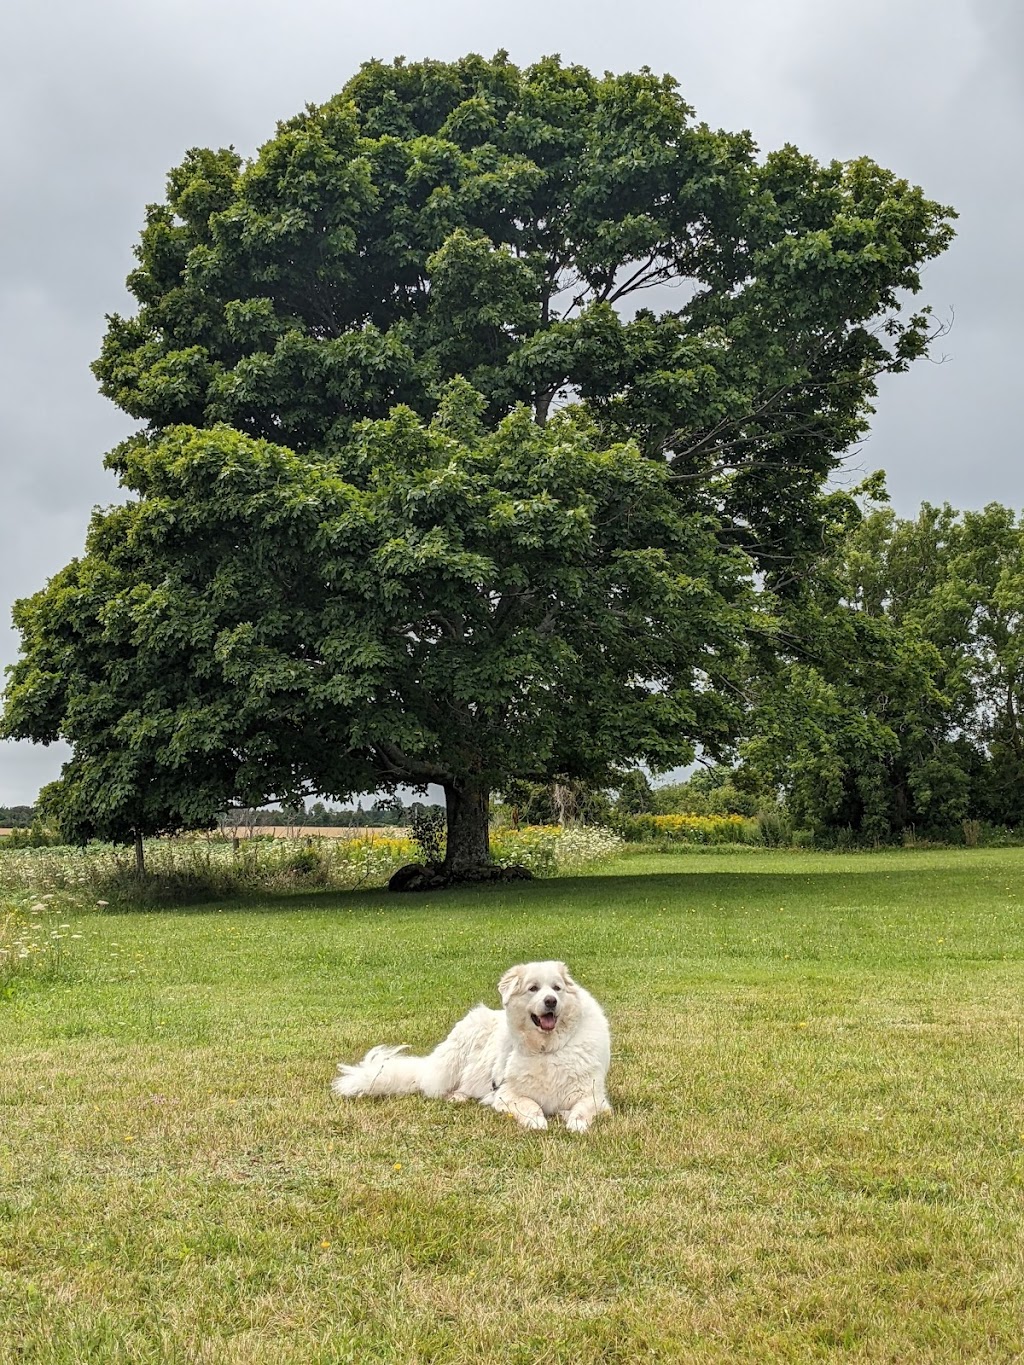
<point x="817" y="1151"/>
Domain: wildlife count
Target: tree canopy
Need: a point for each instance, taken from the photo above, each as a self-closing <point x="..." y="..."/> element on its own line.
<point x="473" y="218"/>
<point x="423" y="494"/>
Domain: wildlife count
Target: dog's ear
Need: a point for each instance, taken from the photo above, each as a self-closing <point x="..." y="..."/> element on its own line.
<point x="563" y="972"/>
<point x="510" y="983"/>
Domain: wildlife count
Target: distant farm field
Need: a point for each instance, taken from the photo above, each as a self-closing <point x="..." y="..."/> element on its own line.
<point x="817" y="1151"/>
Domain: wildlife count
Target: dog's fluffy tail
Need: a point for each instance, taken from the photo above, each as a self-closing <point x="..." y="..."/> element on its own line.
<point x="386" y="1071"/>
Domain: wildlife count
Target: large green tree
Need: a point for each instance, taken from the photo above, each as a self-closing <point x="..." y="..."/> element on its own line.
<point x="549" y="611"/>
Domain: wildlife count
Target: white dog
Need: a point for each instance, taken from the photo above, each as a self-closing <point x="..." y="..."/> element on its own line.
<point x="547" y="1052"/>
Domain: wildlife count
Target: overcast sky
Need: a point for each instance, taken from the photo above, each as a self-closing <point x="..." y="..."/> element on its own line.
<point x="99" y="100"/>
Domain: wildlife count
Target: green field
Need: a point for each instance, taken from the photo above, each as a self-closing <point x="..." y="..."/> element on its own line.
<point x="817" y="1151"/>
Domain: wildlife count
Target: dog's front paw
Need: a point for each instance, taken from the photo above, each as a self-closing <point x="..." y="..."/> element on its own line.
<point x="536" y="1121"/>
<point x="577" y="1123"/>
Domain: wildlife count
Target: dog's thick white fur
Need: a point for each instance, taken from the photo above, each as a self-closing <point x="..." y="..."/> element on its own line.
<point x="545" y="1053"/>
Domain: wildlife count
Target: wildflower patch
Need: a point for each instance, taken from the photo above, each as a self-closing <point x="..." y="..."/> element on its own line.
<point x="192" y="865"/>
<point x="687" y="828"/>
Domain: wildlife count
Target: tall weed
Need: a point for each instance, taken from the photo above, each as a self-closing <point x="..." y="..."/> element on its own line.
<point x="32" y="942"/>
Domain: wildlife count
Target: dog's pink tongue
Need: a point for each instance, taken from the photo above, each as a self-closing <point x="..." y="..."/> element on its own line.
<point x="547" y="1021"/>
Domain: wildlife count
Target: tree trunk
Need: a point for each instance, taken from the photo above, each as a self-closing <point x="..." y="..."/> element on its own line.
<point x="901" y="805"/>
<point x="563" y="798"/>
<point x="140" y="856"/>
<point x="468" y="810"/>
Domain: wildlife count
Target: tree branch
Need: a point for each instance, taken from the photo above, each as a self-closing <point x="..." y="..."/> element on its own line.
<point x="641" y="279"/>
<point x="394" y="762"/>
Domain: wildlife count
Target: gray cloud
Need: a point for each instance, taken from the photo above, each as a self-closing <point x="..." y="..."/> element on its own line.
<point x="99" y="100"/>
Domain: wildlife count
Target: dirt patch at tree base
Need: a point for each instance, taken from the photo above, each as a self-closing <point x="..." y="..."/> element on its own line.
<point x="435" y="877"/>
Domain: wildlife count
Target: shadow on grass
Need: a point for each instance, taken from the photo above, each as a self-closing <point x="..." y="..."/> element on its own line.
<point x="596" y="892"/>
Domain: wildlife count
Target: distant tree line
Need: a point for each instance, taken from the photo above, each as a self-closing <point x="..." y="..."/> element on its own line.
<point x="389" y="812"/>
<point x="317" y="815"/>
<point x="16" y="817"/>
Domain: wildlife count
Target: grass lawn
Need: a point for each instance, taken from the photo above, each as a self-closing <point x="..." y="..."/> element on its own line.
<point x="817" y="1151"/>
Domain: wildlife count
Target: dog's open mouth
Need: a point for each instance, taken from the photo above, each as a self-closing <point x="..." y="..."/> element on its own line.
<point x="545" y="1021"/>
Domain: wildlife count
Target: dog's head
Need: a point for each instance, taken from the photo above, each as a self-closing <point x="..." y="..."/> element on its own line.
<point x="540" y="998"/>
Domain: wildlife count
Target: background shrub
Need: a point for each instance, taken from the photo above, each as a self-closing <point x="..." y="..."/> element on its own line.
<point x="687" y="828"/>
<point x="428" y="832"/>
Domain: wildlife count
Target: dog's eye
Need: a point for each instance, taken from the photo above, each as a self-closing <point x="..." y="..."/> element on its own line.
<point x="534" y="988"/>
<point x="557" y="986"/>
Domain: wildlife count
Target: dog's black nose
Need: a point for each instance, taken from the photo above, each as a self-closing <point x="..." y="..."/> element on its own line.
<point x="550" y="1001"/>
